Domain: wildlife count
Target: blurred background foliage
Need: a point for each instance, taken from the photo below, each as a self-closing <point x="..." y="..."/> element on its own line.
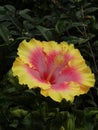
<point x="74" y="21"/>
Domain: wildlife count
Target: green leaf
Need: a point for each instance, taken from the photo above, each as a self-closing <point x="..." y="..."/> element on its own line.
<point x="17" y="112"/>
<point x="62" y="25"/>
<point x="76" y="40"/>
<point x="96" y="26"/>
<point x="46" y="32"/>
<point x="10" y="8"/>
<point x="71" y="122"/>
<point x="90" y="10"/>
<point x="14" y="123"/>
<point x="25" y="15"/>
<point x="4" y="33"/>
<point x="2" y="10"/>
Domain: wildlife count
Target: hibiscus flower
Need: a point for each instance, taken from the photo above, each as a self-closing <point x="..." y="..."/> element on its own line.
<point x="58" y="70"/>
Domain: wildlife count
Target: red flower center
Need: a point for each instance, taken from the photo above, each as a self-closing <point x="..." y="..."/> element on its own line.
<point x="49" y="76"/>
<point x="46" y="77"/>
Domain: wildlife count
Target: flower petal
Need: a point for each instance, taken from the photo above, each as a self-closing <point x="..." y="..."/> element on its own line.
<point x="88" y="78"/>
<point x="25" y="49"/>
<point x="31" y="53"/>
<point x="68" y="74"/>
<point x="37" y="59"/>
<point x="61" y="91"/>
<point x="50" y="46"/>
<point x="28" y="75"/>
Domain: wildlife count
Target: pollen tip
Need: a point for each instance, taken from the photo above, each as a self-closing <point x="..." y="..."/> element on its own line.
<point x="59" y="59"/>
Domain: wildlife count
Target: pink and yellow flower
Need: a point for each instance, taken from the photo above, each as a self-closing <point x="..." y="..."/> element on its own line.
<point x="58" y="70"/>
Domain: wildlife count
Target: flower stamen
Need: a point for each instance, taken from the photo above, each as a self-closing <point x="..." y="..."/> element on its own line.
<point x="58" y="60"/>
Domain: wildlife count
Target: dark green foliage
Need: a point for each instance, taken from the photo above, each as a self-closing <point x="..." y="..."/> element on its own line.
<point x="74" y="21"/>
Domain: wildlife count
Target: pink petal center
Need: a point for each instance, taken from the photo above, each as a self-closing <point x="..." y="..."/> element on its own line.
<point x="52" y="68"/>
